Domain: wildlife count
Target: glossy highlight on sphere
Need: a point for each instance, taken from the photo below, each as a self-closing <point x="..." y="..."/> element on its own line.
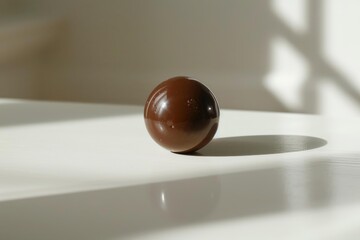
<point x="181" y="114"/>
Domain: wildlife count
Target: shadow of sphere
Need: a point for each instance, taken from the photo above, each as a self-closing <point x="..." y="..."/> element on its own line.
<point x="260" y="145"/>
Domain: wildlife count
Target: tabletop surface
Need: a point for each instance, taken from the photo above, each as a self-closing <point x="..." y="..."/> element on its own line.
<point x="91" y="171"/>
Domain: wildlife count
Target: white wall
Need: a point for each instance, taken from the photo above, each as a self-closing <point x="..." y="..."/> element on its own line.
<point x="279" y="55"/>
<point x="21" y="40"/>
<point x="15" y="75"/>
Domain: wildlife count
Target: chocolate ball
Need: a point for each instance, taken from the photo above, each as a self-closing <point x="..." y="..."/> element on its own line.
<point x="181" y="114"/>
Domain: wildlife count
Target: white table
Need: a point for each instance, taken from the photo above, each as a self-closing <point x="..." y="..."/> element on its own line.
<point x="91" y="171"/>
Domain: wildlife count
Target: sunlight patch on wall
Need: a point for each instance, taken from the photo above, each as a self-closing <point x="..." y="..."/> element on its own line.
<point x="293" y="13"/>
<point x="341" y="50"/>
<point x="334" y="102"/>
<point x="341" y="38"/>
<point x="289" y="71"/>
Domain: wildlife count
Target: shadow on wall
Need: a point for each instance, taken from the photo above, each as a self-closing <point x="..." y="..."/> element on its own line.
<point x="265" y="25"/>
<point x="309" y="45"/>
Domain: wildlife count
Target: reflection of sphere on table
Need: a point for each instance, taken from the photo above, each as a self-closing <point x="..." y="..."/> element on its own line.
<point x="189" y="199"/>
<point x="181" y="114"/>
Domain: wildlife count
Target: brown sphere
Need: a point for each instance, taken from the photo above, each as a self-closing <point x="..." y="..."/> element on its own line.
<point x="181" y="114"/>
